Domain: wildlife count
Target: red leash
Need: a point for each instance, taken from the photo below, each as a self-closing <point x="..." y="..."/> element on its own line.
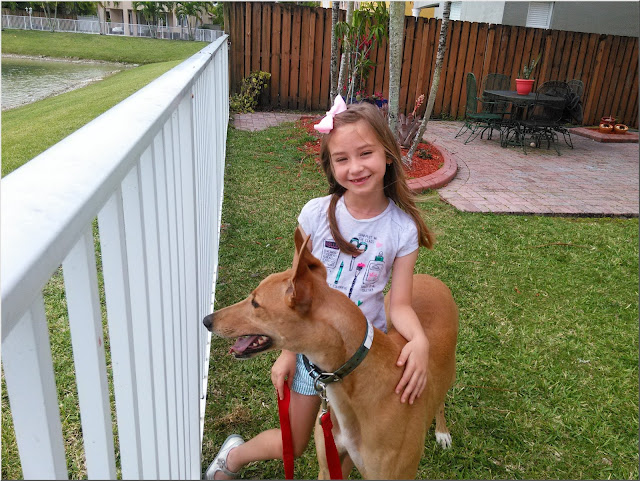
<point x="285" y="429"/>
<point x="333" y="459"/>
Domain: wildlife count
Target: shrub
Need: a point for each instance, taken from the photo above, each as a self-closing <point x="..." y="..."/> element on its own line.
<point x="252" y="86"/>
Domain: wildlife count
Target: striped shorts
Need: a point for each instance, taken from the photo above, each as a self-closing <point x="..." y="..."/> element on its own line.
<point x="302" y="381"/>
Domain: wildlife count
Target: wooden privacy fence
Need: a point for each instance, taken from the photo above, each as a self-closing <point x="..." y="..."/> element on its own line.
<point x="293" y="43"/>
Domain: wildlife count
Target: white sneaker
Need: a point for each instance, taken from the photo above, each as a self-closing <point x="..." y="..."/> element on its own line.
<point x="220" y="461"/>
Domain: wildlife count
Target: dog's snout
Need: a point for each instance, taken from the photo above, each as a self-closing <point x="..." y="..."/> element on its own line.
<point x="208" y="321"/>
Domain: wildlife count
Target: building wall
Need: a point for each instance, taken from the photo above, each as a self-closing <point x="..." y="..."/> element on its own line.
<point x="617" y="18"/>
<point x="605" y="17"/>
<point x="426" y="12"/>
<point x="487" y="12"/>
<point x="123" y="12"/>
<point x="515" y="13"/>
<point x="477" y="11"/>
<point x="610" y="18"/>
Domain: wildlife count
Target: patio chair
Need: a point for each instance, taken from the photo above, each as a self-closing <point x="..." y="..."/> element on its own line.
<point x="576" y="86"/>
<point x="544" y="118"/>
<point x="558" y="88"/>
<point x="496" y="81"/>
<point x="478" y="122"/>
<point x="574" y="109"/>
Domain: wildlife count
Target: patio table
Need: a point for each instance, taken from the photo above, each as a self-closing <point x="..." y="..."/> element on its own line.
<point x="513" y="133"/>
<point x="521" y="102"/>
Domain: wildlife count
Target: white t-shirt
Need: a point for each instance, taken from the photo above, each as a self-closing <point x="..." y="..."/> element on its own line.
<point x="391" y="234"/>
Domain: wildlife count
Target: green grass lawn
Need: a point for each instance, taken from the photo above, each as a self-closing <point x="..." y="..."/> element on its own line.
<point x="111" y="48"/>
<point x="31" y="129"/>
<point x="547" y="372"/>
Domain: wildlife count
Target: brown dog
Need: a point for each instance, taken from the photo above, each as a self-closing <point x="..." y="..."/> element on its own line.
<point x="298" y="311"/>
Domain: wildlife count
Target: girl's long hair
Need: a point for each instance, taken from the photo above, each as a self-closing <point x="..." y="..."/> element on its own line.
<point x="395" y="183"/>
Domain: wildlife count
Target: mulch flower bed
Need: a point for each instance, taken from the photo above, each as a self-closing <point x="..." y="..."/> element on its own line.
<point x="426" y="160"/>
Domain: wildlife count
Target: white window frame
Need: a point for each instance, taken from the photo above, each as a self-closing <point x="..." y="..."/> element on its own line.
<point x="539" y="14"/>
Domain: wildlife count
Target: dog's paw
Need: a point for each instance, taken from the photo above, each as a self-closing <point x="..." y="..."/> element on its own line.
<point x="444" y="440"/>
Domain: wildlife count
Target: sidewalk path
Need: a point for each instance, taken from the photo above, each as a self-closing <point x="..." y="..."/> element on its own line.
<point x="592" y="179"/>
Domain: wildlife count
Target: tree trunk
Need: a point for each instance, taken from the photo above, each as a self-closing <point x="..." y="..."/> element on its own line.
<point x="47" y="13"/>
<point x="435" y="82"/>
<point x="396" y="34"/>
<point x="344" y="62"/>
<point x="335" y="11"/>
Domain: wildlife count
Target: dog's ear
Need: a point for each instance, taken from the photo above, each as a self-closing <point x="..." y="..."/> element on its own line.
<point x="299" y="239"/>
<point x="300" y="290"/>
<point x="301" y="242"/>
<point x="303" y="254"/>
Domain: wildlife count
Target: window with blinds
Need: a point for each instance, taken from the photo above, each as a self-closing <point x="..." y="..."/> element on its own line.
<point x="539" y="14"/>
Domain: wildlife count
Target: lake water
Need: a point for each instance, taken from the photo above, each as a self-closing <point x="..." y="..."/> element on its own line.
<point x="27" y="79"/>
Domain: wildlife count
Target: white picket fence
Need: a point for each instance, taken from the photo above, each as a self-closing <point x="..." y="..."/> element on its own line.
<point x="151" y="170"/>
<point x="24" y="22"/>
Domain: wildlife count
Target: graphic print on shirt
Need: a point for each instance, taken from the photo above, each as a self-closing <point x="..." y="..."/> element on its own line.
<point x="361" y="246"/>
<point x="355" y="277"/>
<point x="339" y="273"/>
<point x="362" y="276"/>
<point x="330" y="254"/>
<point x="374" y="270"/>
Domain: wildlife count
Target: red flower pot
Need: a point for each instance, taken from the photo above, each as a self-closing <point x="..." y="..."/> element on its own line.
<point x="524" y="86"/>
<point x="620" y="129"/>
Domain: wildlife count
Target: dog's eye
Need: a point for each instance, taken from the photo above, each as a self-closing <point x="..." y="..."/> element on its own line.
<point x="254" y="303"/>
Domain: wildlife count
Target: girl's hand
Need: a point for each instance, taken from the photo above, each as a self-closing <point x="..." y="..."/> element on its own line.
<point x="283" y="370"/>
<point x="414" y="357"/>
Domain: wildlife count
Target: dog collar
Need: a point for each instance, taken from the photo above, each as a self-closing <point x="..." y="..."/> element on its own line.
<point x="322" y="378"/>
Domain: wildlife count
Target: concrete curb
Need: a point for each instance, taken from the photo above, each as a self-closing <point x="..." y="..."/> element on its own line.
<point x="440" y="177"/>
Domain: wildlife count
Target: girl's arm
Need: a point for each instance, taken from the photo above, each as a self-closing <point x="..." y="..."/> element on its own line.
<point x="283" y="370"/>
<point x="415" y="354"/>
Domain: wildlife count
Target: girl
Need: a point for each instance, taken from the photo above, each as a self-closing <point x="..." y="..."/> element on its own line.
<point x="366" y="227"/>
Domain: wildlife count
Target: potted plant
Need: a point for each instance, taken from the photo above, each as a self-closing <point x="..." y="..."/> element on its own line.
<point x="524" y="82"/>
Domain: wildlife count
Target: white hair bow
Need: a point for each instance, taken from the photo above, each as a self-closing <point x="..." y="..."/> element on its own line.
<point x="326" y="124"/>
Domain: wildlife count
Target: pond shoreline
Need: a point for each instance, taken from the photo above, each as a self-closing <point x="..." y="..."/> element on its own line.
<point x="74" y="60"/>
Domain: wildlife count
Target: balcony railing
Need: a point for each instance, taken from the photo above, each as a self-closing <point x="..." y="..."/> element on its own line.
<point x="151" y="171"/>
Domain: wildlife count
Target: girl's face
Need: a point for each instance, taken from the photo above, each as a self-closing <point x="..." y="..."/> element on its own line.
<point x="358" y="159"/>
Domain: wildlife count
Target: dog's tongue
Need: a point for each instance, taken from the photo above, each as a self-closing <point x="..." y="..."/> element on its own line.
<point x="242" y="344"/>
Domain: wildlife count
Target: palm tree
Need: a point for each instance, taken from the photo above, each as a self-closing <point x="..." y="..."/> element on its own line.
<point x="193" y="13"/>
<point x="335" y="11"/>
<point x="442" y="47"/>
<point x="342" y="77"/>
<point x="152" y="11"/>
<point x="396" y="34"/>
<point x="46" y="6"/>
